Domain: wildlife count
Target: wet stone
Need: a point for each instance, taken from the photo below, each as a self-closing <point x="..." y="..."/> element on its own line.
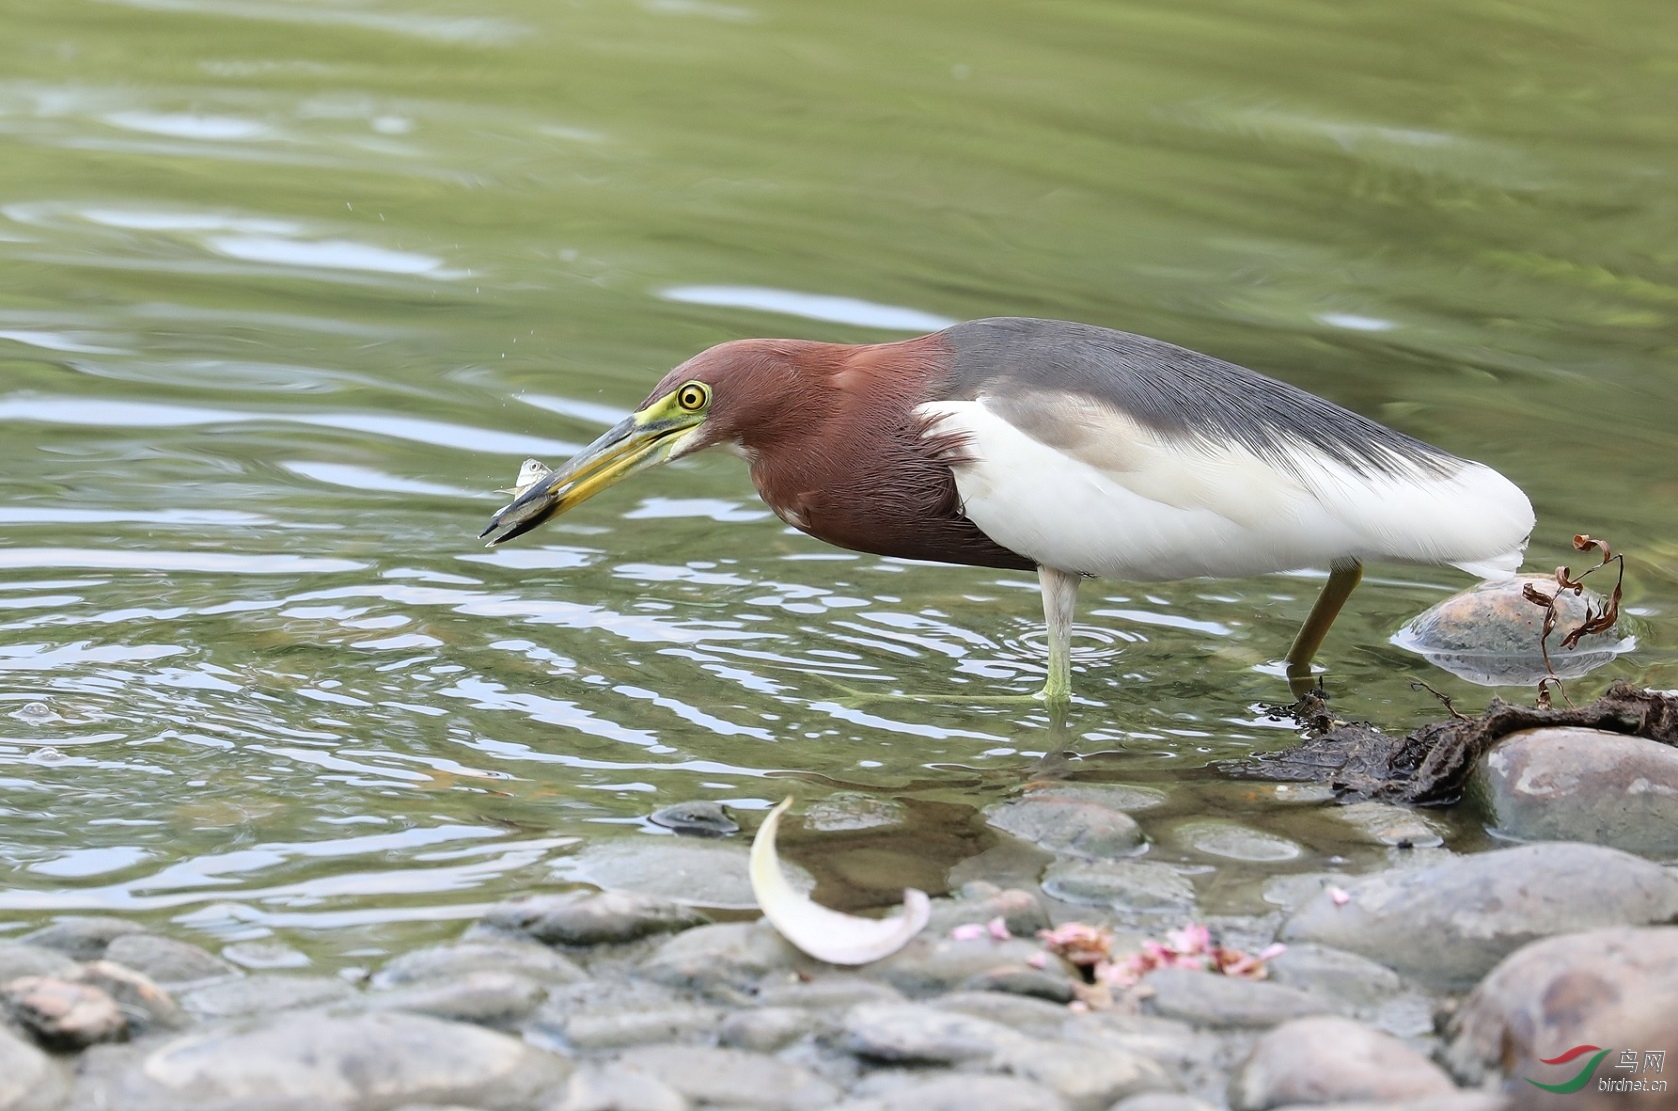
<point x="917" y="1033"/>
<point x="724" y="959"/>
<point x="1235" y="842"/>
<point x="852" y="812"/>
<point x="695" y="819"/>
<point x="528" y="959"/>
<point x="1335" y="974"/>
<point x="1582" y="785"/>
<point x="359" y="1063"/>
<point x="487" y="997"/>
<point x="732" y="1077"/>
<point x="62" y="1014"/>
<point x="264" y="955"/>
<point x="826" y="992"/>
<point x="960" y="1093"/>
<point x="81" y="939"/>
<point x="612" y="1028"/>
<point x="1051" y="985"/>
<point x="1139" y="886"/>
<point x="588" y="918"/>
<point x="170" y="963"/>
<point x="1089" y="1077"/>
<point x="144" y="1004"/>
<point x="1036" y="1017"/>
<point x="265" y="994"/>
<point x="29" y="1079"/>
<point x="1387" y="824"/>
<point x="1327" y="1058"/>
<point x="931" y="965"/>
<point x="1021" y="912"/>
<point x="1449" y="923"/>
<point x="1211" y="999"/>
<point x="1611" y="988"/>
<point x="683" y="870"/>
<point x="22" y="959"/>
<point x="766" y="1029"/>
<point x="1067" y="826"/>
<point x="612" y="1087"/>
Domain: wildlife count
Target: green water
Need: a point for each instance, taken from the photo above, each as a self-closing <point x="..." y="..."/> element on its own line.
<point x="289" y="287"/>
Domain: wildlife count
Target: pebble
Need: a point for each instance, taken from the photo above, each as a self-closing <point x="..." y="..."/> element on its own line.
<point x="932" y="965"/>
<point x="29" y="1079"/>
<point x="169" y="963"/>
<point x="265" y="994"/>
<point x="1235" y="842"/>
<point x="1211" y="999"/>
<point x="1022" y="912"/>
<point x="528" y="959"/>
<point x="916" y="1033"/>
<point x="1335" y="974"/>
<point x="358" y="1063"/>
<point x="144" y="1004"/>
<point x="486" y="997"/>
<point x="579" y="918"/>
<point x="960" y="1093"/>
<point x="1067" y="825"/>
<point x="732" y="1077"/>
<point x="19" y="958"/>
<point x="264" y="955"/>
<point x="1123" y="885"/>
<point x="63" y="1014"/>
<point x="612" y="1087"/>
<point x="766" y="1029"/>
<point x="1387" y="824"/>
<point x="82" y="939"/>
<point x="1449" y="923"/>
<point x="725" y="959"/>
<point x="1612" y="988"/>
<point x="614" y="1028"/>
<point x="1583" y="785"/>
<point x="1328" y="1058"/>
<point x="701" y="818"/>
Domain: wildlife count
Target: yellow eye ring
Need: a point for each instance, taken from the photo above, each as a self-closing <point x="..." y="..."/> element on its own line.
<point x="693" y="397"/>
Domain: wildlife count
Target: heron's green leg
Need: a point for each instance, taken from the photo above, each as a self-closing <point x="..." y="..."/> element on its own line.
<point x="1343" y="578"/>
<point x="1060" y="606"/>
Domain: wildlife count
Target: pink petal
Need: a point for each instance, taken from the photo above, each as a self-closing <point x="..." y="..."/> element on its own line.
<point x="1038" y="960"/>
<point x="1339" y="896"/>
<point x="998" y="928"/>
<point x="967" y="931"/>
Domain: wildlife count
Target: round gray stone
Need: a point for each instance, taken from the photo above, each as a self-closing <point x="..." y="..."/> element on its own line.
<point x="23" y="959"/>
<point x="1449" y="923"/>
<point x="766" y="1029"/>
<point x="853" y="812"/>
<point x="591" y="918"/>
<point x="683" y="870"/>
<point x="525" y="958"/>
<point x="1335" y="974"/>
<point x="1212" y="999"/>
<point x="1327" y="1058"/>
<point x="29" y="1079"/>
<point x="733" y="1077"/>
<point x="1235" y="842"/>
<point x="1067" y="825"/>
<point x="612" y="1087"/>
<point x="169" y="963"/>
<point x="725" y="958"/>
<point x="960" y="1093"/>
<point x="82" y="939"/>
<point x="1141" y="886"/>
<point x="608" y="1027"/>
<point x="265" y="995"/>
<point x="915" y="1033"/>
<point x="311" y="1061"/>
<point x="488" y="997"/>
<point x="1583" y="785"/>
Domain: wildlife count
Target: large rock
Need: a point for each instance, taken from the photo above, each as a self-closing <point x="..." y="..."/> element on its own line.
<point x="314" y="1062"/>
<point x="1326" y="1058"/>
<point x="1614" y="988"/>
<point x="82" y="939"/>
<point x="29" y="1079"/>
<point x="1067" y="825"/>
<point x="579" y="918"/>
<point x="1583" y="785"/>
<point x="1449" y="923"/>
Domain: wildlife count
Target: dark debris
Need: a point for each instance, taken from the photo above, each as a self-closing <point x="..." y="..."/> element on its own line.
<point x="1429" y="766"/>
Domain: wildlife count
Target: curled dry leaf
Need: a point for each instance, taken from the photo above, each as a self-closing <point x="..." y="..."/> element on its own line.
<point x="822" y="933"/>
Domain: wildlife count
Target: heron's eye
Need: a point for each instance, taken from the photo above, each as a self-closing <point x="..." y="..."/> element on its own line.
<point x="693" y="396"/>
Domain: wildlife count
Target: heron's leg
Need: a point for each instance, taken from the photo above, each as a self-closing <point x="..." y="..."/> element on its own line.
<point x="1060" y="606"/>
<point x="1343" y="578"/>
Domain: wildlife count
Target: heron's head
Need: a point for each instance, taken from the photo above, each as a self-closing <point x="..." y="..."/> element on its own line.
<point x="749" y="394"/>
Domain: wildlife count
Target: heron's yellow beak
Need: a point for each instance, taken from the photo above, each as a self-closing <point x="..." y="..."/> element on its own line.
<point x="641" y="440"/>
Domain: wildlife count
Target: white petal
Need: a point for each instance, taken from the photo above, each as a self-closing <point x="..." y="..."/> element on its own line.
<point x="822" y="933"/>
